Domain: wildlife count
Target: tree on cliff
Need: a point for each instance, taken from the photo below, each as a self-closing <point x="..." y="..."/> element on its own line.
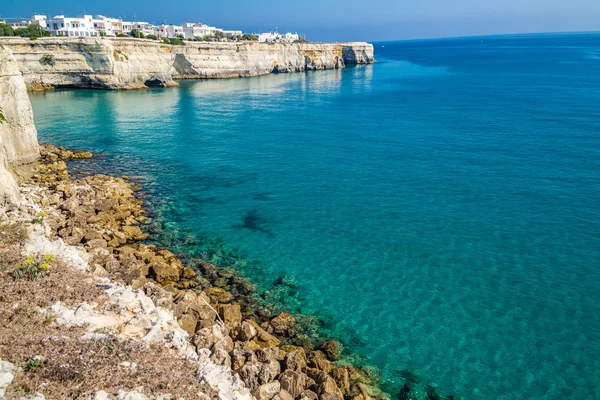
<point x="6" y="30"/>
<point x="249" y="36"/>
<point x="31" y="31"/>
<point x="136" y="34"/>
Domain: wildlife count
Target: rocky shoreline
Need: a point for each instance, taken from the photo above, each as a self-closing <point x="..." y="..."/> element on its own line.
<point x="248" y="351"/>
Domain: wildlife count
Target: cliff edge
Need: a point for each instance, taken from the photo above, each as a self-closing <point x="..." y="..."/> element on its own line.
<point x="18" y="136"/>
<point x="127" y="63"/>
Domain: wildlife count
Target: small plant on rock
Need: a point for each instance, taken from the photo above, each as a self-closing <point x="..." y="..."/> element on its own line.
<point x="2" y="118"/>
<point x="48" y="59"/>
<point x="33" y="268"/>
<point x="39" y="218"/>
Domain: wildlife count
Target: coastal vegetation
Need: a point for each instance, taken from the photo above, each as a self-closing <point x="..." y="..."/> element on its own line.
<point x="6" y="30"/>
<point x="48" y="59"/>
<point x="2" y="117"/>
<point x="32" y="30"/>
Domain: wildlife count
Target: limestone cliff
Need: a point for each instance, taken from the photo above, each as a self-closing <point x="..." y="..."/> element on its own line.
<point x="18" y="136"/>
<point x="125" y="63"/>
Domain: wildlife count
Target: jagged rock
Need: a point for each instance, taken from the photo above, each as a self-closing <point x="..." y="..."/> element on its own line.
<point x="322" y="364"/>
<point x="221" y="357"/>
<point x="247" y="331"/>
<point x="263" y="338"/>
<point x="269" y="353"/>
<point x="342" y="378"/>
<point x="283" y="323"/>
<point x="219" y="295"/>
<point x="249" y="374"/>
<point x="267" y="391"/>
<point x="328" y="390"/>
<point x="283" y="395"/>
<point x="269" y="371"/>
<point x="295" y="360"/>
<point x="231" y="315"/>
<point x="317" y="375"/>
<point x="293" y="382"/>
<point x="188" y="323"/>
<point x="162" y="272"/>
<point x="134" y="233"/>
<point x="333" y="349"/>
<point x="308" y="395"/>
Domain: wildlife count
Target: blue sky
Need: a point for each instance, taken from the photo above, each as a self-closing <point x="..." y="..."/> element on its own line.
<point x="337" y="20"/>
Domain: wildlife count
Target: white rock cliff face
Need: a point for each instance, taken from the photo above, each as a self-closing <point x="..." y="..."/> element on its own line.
<point x="18" y="136"/>
<point x="125" y="63"/>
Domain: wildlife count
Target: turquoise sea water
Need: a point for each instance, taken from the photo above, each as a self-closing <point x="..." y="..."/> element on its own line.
<point x="440" y="209"/>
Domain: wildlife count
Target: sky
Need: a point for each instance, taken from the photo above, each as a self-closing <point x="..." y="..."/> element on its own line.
<point x="337" y="20"/>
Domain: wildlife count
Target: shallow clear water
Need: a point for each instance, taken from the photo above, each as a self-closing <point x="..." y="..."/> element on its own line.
<point x="441" y="208"/>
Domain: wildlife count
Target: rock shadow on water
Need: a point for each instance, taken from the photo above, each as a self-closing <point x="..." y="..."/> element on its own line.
<point x="254" y="222"/>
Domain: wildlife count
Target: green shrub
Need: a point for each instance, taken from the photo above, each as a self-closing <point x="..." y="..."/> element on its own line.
<point x="136" y="34"/>
<point x="151" y="37"/>
<point x="176" y="41"/>
<point x="102" y="34"/>
<point x="34" y="267"/>
<point x="121" y="35"/>
<point x="33" y="30"/>
<point x="166" y="40"/>
<point x="48" y="59"/>
<point x="6" y="30"/>
<point x="2" y="117"/>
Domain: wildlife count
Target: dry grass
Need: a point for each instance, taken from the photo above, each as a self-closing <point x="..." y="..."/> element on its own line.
<point x="71" y="367"/>
<point x="12" y="234"/>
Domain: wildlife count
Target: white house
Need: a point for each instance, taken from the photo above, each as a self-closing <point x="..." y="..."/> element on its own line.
<point x="192" y="30"/>
<point x="72" y="27"/>
<point x="168" y="31"/>
<point x="276" y="37"/>
<point x="110" y="26"/>
<point x="40" y="20"/>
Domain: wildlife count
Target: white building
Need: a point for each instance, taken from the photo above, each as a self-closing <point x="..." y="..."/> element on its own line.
<point x="72" y="27"/>
<point x="40" y="20"/>
<point x="168" y="31"/>
<point x="276" y="37"/>
<point x="192" y="30"/>
<point x="110" y="26"/>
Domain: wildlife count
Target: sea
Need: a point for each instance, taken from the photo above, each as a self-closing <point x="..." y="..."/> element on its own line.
<point x="438" y="212"/>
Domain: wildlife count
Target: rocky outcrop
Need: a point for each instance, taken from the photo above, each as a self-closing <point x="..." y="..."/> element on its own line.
<point x="18" y="136"/>
<point x="126" y="63"/>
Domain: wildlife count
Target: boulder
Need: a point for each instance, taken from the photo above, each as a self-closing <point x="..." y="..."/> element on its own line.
<point x="295" y="360"/>
<point x="231" y="315"/>
<point x="267" y="391"/>
<point x="332" y="349"/>
<point x="162" y="272"/>
<point x="283" y="323"/>
<point x="219" y="295"/>
<point x="249" y="374"/>
<point x="188" y="323"/>
<point x="134" y="233"/>
<point x="308" y="395"/>
<point x="328" y="390"/>
<point x="269" y="371"/>
<point x="283" y="395"/>
<point x="293" y="382"/>
<point x="247" y="331"/>
<point x="342" y="378"/>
